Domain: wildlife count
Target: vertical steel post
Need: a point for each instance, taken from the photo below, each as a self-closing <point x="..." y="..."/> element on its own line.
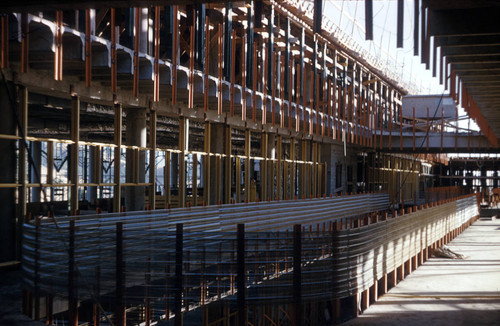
<point x="36" y="291"/>
<point x="191" y="64"/>
<point x="228" y="41"/>
<point x="24" y="42"/>
<point x="206" y="71"/>
<point x="113" y="51"/>
<point x="241" y="276"/>
<point x="88" y="48"/>
<point x="175" y="52"/>
<point x="254" y="83"/>
<point x="243" y="79"/>
<point x="250" y="76"/>
<point x="297" y="275"/>
<point x="4" y="51"/>
<point x="97" y="291"/>
<point x="22" y="159"/>
<point x="232" y="74"/>
<point x="72" y="276"/>
<point x="179" y="247"/>
<point x="58" y="54"/>
<point x="120" y="311"/>
<point x="219" y="70"/>
<point x="156" y="68"/>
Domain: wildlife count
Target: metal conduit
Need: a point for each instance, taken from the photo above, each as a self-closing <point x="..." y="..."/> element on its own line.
<point x="335" y="263"/>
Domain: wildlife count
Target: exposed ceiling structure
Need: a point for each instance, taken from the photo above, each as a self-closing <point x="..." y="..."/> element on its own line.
<point x="467" y="34"/>
<point x="34" y="5"/>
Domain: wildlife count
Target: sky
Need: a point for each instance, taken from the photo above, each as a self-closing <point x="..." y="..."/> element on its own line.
<point x="350" y="17"/>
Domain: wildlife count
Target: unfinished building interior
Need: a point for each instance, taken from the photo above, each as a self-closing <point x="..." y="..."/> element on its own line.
<point x="228" y="163"/>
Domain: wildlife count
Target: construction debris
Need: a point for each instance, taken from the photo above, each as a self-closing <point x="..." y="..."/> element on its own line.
<point x="445" y="252"/>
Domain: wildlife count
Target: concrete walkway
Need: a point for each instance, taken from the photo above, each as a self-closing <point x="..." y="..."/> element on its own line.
<point x="446" y="291"/>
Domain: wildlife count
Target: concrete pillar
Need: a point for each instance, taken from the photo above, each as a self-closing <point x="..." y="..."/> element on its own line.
<point x="145" y="42"/>
<point x="8" y="175"/>
<point x="271" y="166"/>
<point x="484" y="188"/>
<point x="303" y="180"/>
<point x="326" y="155"/>
<point x="36" y="154"/>
<point x="135" y="135"/>
<point x="216" y="146"/>
<point x="93" y="173"/>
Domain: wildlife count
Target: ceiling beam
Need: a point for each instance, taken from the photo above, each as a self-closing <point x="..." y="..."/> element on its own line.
<point x="464" y="22"/>
<point x="45" y="5"/>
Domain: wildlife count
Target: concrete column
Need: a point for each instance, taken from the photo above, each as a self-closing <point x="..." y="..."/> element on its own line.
<point x="271" y="166"/>
<point x="145" y="42"/>
<point x="495" y="180"/>
<point x="36" y="154"/>
<point x="264" y="143"/>
<point x="117" y="191"/>
<point x="227" y="165"/>
<point x="94" y="174"/>
<point x="248" y="174"/>
<point x="217" y="133"/>
<point x="326" y="156"/>
<point x="135" y="135"/>
<point x="74" y="156"/>
<point x="484" y="187"/>
<point x="8" y="175"/>
<point x="206" y="163"/>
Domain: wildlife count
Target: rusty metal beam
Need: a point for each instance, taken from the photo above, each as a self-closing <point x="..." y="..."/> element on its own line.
<point x="4" y="39"/>
<point x="156" y="68"/>
<point x="58" y="54"/>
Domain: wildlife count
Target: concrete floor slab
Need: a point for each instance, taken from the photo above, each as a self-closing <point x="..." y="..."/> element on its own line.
<point x="446" y="291"/>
